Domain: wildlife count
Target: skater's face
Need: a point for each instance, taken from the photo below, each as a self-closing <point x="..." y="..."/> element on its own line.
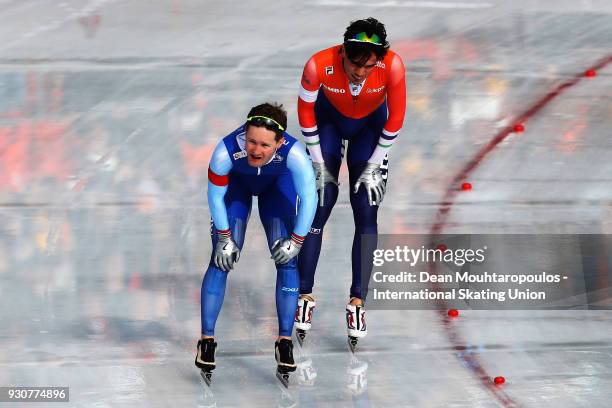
<point x="357" y="73"/>
<point x="261" y="145"/>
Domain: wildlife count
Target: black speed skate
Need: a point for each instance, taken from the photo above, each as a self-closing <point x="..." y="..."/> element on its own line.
<point x="285" y="361"/>
<point x="205" y="358"/>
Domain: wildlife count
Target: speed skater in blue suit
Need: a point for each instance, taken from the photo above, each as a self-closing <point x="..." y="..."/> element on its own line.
<point x="258" y="159"/>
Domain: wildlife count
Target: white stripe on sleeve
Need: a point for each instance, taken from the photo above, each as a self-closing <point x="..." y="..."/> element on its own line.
<point x="308" y="96"/>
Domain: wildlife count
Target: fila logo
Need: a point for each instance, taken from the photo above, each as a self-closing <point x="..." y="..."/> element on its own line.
<point x="380" y="64"/>
<point x="329" y="70"/>
<point x="374" y="90"/>
<point x="334" y="90"/>
<point x="315" y="230"/>
<point x="239" y="155"/>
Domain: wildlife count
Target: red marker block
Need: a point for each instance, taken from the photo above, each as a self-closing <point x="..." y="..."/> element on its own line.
<point x="466" y="186"/>
<point x="135" y="282"/>
<point x="197" y="78"/>
<point x="453" y="313"/>
<point x="442" y="247"/>
<point x="590" y="73"/>
<point x="499" y="380"/>
<point x="519" y="128"/>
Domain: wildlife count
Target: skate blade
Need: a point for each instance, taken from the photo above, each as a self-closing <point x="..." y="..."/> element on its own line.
<point x="206" y="376"/>
<point x="300" y="335"/>
<point x="283" y="378"/>
<point x="352" y="343"/>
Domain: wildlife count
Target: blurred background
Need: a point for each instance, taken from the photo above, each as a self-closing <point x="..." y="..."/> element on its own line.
<point x="110" y="109"/>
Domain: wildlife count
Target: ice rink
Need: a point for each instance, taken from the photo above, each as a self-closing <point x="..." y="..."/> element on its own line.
<point x="110" y="109"/>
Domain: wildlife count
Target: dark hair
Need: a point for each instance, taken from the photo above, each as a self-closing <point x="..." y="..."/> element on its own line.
<point x="272" y="111"/>
<point x="359" y="52"/>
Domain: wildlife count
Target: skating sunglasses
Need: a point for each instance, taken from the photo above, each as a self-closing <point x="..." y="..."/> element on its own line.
<point x="269" y="123"/>
<point x="363" y="37"/>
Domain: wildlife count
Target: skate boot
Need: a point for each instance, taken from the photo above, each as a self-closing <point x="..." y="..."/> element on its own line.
<point x="205" y="359"/>
<point x="284" y="359"/>
<point x="355" y="324"/>
<point x="303" y="317"/>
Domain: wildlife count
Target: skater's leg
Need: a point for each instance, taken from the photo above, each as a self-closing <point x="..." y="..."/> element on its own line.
<point x="277" y="209"/>
<point x="287" y="279"/>
<point x="238" y="204"/>
<point x="309" y="254"/>
<point x="287" y="284"/>
<point x="365" y="216"/>
<point x="332" y="149"/>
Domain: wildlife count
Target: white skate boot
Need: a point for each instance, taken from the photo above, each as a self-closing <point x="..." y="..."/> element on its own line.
<point x="303" y="316"/>
<point x="355" y="324"/>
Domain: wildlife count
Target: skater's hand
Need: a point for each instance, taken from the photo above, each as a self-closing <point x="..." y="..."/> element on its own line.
<point x="284" y="249"/>
<point x="372" y="181"/>
<point x="226" y="253"/>
<point x="323" y="176"/>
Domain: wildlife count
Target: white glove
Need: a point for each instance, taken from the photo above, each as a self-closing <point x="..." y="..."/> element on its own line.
<point x="372" y="181"/>
<point x="226" y="253"/>
<point x="323" y="176"/>
<point x="284" y="249"/>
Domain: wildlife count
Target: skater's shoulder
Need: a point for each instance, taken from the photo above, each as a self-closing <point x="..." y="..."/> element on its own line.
<point x="289" y="140"/>
<point x="237" y="135"/>
<point x="326" y="56"/>
<point x="236" y="141"/>
<point x="297" y="156"/>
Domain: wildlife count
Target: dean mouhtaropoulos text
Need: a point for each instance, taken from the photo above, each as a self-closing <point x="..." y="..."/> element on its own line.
<point x="465" y="277"/>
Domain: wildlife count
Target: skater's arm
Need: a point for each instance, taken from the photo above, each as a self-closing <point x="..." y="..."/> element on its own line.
<point x="309" y="89"/>
<point x="218" y="180"/>
<point x="396" y="104"/>
<point x="304" y="181"/>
